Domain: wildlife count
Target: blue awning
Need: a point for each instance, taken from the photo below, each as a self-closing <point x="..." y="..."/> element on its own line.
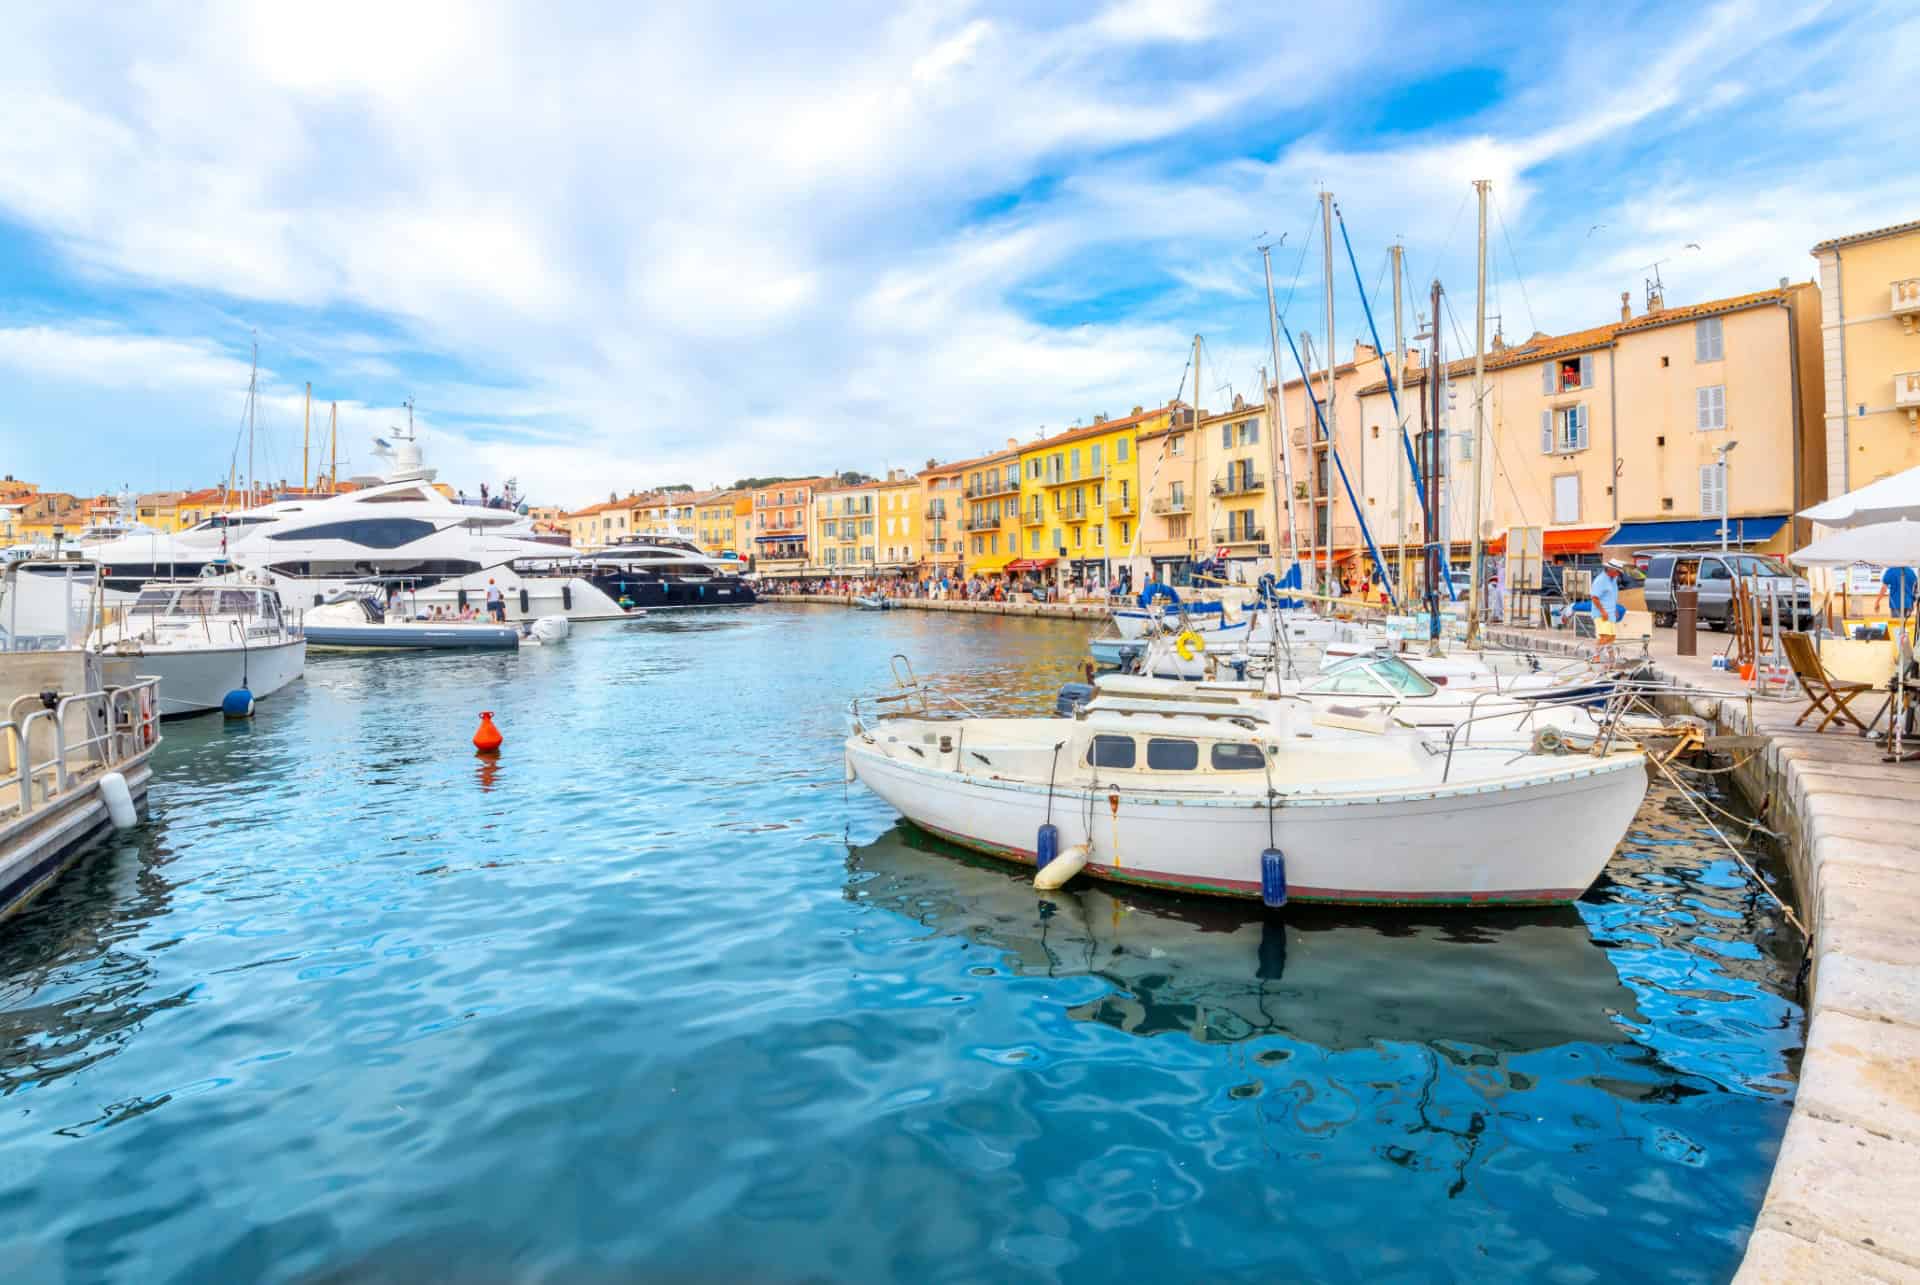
<point x="1694" y="531"/>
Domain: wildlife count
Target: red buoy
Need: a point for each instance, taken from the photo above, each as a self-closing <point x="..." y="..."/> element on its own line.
<point x="487" y="738"/>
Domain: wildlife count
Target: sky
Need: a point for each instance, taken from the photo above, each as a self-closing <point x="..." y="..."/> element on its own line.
<point x="611" y="246"/>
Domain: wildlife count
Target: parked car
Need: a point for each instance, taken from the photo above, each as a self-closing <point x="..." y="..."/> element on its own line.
<point x="1714" y="575"/>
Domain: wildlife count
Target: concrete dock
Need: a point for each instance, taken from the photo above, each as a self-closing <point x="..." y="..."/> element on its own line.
<point x="1844" y="1203"/>
<point x="984" y="607"/>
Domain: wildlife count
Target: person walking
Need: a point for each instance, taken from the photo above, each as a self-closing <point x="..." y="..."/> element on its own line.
<point x="1897" y="586"/>
<point x="1605" y="594"/>
<point x="496" y="603"/>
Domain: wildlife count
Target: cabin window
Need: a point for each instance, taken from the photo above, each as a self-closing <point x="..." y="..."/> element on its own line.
<point x="1164" y="754"/>
<point x="1238" y="756"/>
<point x="374" y="533"/>
<point x="1111" y="751"/>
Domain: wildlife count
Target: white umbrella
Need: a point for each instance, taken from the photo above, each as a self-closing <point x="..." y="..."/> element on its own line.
<point x="1886" y="544"/>
<point x="1888" y="500"/>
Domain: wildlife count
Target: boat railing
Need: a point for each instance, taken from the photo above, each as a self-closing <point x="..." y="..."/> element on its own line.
<point x="128" y="722"/>
<point x="911" y="698"/>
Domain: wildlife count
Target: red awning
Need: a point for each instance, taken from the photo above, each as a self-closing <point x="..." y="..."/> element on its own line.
<point x="1031" y="564"/>
<point x="1586" y="539"/>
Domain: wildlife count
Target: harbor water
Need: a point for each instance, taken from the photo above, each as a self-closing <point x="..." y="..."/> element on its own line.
<point x="657" y="994"/>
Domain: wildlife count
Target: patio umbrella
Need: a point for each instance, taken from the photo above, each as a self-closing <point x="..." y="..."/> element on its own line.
<point x="1888" y="500"/>
<point x="1886" y="544"/>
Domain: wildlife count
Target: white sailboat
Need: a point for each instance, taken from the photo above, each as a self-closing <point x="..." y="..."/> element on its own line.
<point x="1232" y="800"/>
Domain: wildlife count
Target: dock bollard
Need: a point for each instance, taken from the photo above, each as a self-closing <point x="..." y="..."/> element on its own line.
<point x="487" y="738"/>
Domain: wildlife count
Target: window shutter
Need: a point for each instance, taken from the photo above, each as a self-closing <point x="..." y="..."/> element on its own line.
<point x="1546" y="380"/>
<point x="1546" y="432"/>
<point x="1579" y="414"/>
<point x="1702" y="417"/>
<point x="1712" y="501"/>
<point x="1719" y="405"/>
<point x="1586" y="371"/>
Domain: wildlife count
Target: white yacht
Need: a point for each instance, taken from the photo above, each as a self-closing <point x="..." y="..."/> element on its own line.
<point x="655" y="572"/>
<point x="204" y="638"/>
<point x="402" y="532"/>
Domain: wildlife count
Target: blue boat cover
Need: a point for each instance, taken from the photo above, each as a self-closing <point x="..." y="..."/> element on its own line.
<point x="1689" y="531"/>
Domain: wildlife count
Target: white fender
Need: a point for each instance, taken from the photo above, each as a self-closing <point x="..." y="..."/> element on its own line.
<point x="119" y="800"/>
<point x="1062" y="868"/>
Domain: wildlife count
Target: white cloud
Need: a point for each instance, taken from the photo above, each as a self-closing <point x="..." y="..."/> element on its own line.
<point x="689" y="243"/>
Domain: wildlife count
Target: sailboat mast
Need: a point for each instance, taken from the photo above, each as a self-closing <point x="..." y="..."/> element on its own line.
<point x="1333" y="405"/>
<point x="1480" y="185"/>
<point x="1280" y="445"/>
<point x="333" y="433"/>
<point x="1430" y="452"/>
<point x="306" y="436"/>
<point x="1400" y="428"/>
<point x="253" y="388"/>
<point x="1313" y="466"/>
<point x="1193" y="455"/>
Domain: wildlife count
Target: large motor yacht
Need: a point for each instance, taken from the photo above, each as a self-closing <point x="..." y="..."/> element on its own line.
<point x="402" y="533"/>
<point x="654" y="572"/>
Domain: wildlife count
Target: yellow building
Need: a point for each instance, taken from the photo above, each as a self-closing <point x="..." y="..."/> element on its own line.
<point x="1870" y="333"/>
<point x="742" y="507"/>
<point x="599" y="525"/>
<point x="942" y="512"/>
<point x="844" y="531"/>
<point x="899" y="523"/>
<point x="1079" y="500"/>
<point x="990" y="528"/>
<point x="713" y="521"/>
<point x="1234" y="454"/>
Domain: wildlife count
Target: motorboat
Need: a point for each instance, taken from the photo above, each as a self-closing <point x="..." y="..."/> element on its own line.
<point x="204" y="638"/>
<point x="1276" y="804"/>
<point x="360" y="622"/>
<point x="873" y="602"/>
<point x="656" y="572"/>
<point x="1384" y="683"/>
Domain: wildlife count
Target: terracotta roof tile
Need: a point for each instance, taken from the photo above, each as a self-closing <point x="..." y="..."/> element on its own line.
<point x="1856" y="237"/>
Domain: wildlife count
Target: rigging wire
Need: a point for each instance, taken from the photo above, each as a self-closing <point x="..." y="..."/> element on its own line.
<point x="1533" y="327"/>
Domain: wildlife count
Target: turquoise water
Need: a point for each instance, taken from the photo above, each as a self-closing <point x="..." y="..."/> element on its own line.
<point x="658" y="995"/>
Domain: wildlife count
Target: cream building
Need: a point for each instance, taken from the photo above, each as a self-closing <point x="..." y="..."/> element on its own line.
<point x="942" y="511"/>
<point x="1870" y="345"/>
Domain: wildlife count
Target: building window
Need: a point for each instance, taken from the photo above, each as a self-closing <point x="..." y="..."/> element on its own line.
<point x="1226" y="437"/>
<point x="1709" y="340"/>
<point x="1177" y="494"/>
<point x="1563" y="429"/>
<point x="979" y="546"/>
<point x="1570" y="374"/>
<point x="1713" y="491"/>
<point x="1176" y="446"/>
<point x="1100" y="533"/>
<point x="1033" y="540"/>
<point x="1096" y="457"/>
<point x="1566" y="499"/>
<point x="1249" y="432"/>
<point x="1120" y="451"/>
<point x="1710" y="407"/>
<point x="1123" y="532"/>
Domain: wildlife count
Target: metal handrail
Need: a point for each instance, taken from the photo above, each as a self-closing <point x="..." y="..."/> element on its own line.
<point x="119" y="741"/>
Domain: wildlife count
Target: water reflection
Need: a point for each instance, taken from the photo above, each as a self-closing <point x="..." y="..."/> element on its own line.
<point x="1222" y="972"/>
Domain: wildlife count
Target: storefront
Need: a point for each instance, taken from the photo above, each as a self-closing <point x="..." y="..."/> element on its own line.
<point x="1637" y="540"/>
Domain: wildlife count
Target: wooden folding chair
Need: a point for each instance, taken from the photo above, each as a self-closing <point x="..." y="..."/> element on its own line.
<point x="1825" y="693"/>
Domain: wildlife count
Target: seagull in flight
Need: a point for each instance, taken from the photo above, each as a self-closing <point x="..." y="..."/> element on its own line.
<point x="1595" y="228"/>
<point x="1693" y="245"/>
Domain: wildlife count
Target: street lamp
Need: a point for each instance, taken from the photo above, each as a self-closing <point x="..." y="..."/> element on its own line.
<point x="1726" y="506"/>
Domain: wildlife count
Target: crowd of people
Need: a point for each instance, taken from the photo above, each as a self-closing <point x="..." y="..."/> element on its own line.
<point x="967" y="589"/>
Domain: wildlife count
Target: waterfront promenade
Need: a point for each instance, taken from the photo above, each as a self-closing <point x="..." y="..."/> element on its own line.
<point x="1846" y="1185"/>
<point x="974" y="606"/>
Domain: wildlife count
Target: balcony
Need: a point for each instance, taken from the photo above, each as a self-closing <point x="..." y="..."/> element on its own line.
<point x="1073" y="512"/>
<point x="1239" y="484"/>
<point x="1033" y="517"/>
<point x="985" y="489"/>
<point x="981" y="522"/>
<point x="1171" y="504"/>
<point x="1344" y="535"/>
<point x="936" y="512"/>
<point x="1906" y="392"/>
<point x="1122" y="505"/>
<point x="1252" y="535"/>
<point x="1906" y="299"/>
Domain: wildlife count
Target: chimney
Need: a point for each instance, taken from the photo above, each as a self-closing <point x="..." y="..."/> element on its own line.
<point x="1626" y="305"/>
<point x="1138" y="409"/>
<point x="1655" y="302"/>
<point x="1783" y="283"/>
<point x="1100" y="418"/>
<point x="1013" y="443"/>
<point x="1363" y="352"/>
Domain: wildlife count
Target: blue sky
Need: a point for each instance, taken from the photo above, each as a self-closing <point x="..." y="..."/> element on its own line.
<point x="609" y="246"/>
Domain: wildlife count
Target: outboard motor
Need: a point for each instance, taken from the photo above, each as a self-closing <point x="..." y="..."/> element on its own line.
<point x="1072" y="696"/>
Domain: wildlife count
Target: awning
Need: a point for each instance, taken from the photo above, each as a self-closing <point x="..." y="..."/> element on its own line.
<point x="782" y="537"/>
<point x="1031" y="564"/>
<point x="1690" y="531"/>
<point x="1584" y="539"/>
